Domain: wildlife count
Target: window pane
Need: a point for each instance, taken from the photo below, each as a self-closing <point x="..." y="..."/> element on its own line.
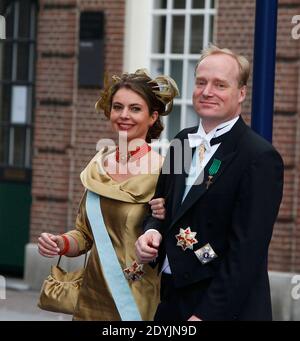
<point x="28" y="151"/>
<point x="178" y="34"/>
<point x="191" y="78"/>
<point x="4" y="138"/>
<point x="196" y="41"/>
<point x="19" y="145"/>
<point x="212" y="3"/>
<point x="19" y="104"/>
<point x="174" y="122"/>
<point x="33" y="21"/>
<point x="7" y="9"/>
<point x="198" y="3"/>
<point x="192" y="118"/>
<point x="24" y="19"/>
<point x="159" y="34"/>
<point x="179" y="3"/>
<point x="157" y="67"/>
<point x="5" y="100"/>
<point x="211" y="29"/>
<point x="5" y="60"/>
<point x="160" y="3"/>
<point x="23" y="62"/>
<point x="29" y="113"/>
<point x="31" y="61"/>
<point x="176" y="73"/>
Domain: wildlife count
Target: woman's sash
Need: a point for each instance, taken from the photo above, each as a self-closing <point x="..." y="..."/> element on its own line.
<point x="112" y="270"/>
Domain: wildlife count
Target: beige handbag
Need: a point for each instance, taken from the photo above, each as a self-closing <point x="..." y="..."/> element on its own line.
<point x="60" y="289"/>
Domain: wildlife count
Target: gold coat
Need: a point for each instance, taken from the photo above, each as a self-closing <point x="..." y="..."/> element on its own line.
<point x="123" y="206"/>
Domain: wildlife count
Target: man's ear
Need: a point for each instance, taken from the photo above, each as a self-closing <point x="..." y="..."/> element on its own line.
<point x="243" y="93"/>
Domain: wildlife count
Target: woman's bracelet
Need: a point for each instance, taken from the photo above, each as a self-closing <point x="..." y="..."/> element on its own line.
<point x="66" y="245"/>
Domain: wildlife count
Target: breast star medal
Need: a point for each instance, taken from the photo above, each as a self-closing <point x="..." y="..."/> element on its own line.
<point x="213" y="170"/>
<point x="134" y="272"/>
<point x="186" y="239"/>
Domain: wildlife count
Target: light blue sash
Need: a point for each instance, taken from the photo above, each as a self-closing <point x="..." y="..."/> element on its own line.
<point x="112" y="270"/>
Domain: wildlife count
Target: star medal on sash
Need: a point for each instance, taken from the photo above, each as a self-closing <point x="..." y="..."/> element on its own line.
<point x="134" y="272"/>
<point x="213" y="170"/>
<point x="186" y="239"/>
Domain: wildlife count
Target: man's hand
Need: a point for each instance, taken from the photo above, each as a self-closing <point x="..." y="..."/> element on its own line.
<point x="158" y="208"/>
<point x="146" y="247"/>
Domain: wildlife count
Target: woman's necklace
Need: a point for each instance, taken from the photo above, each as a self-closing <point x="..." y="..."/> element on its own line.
<point x="133" y="155"/>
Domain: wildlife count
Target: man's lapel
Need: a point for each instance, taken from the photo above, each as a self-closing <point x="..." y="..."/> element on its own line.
<point x="225" y="153"/>
<point x="180" y="179"/>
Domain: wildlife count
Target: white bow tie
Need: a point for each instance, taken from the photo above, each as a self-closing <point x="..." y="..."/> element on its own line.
<point x="197" y="139"/>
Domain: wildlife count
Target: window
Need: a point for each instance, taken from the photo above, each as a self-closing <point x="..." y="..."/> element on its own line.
<point x="17" y="60"/>
<point x="180" y="30"/>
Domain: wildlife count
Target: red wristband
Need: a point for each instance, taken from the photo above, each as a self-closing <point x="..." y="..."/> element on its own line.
<point x="66" y="245"/>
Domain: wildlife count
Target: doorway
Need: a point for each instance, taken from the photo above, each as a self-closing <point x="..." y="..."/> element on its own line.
<point x="17" y="66"/>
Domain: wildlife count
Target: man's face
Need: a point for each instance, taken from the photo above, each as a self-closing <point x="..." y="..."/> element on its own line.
<point x="217" y="97"/>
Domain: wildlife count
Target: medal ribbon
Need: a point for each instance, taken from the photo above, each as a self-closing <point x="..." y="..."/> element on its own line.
<point x="214" y="168"/>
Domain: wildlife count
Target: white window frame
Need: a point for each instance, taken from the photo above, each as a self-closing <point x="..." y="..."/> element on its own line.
<point x="137" y="35"/>
<point x="186" y="57"/>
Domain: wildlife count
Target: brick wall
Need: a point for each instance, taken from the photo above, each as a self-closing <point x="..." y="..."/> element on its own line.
<point x="66" y="126"/>
<point x="235" y="29"/>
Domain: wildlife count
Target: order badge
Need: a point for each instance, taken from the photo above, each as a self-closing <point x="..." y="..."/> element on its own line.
<point x="205" y="254"/>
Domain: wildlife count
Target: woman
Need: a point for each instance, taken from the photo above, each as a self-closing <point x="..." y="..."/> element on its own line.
<point x="125" y="176"/>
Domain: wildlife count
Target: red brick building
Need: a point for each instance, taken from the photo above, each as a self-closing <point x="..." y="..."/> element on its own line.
<point x="61" y="128"/>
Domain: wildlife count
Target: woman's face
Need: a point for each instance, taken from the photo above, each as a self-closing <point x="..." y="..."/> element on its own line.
<point x="130" y="113"/>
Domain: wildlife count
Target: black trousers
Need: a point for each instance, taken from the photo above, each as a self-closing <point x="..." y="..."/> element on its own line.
<point x="169" y="307"/>
<point x="178" y="304"/>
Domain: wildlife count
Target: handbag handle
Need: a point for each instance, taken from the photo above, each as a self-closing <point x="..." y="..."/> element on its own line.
<point x="84" y="264"/>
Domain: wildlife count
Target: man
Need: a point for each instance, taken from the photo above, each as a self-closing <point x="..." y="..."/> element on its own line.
<point x="213" y="243"/>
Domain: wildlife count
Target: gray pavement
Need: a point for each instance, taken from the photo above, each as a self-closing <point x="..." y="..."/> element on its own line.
<point x="20" y="304"/>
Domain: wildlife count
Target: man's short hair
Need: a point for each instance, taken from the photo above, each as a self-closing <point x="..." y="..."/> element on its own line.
<point x="243" y="63"/>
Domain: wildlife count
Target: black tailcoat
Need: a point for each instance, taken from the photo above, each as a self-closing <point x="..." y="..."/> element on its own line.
<point x="235" y="215"/>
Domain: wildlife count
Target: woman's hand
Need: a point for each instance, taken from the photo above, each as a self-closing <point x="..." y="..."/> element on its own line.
<point x="50" y="245"/>
<point x="158" y="208"/>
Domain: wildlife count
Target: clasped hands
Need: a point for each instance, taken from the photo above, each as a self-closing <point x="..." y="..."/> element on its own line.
<point x="148" y="243"/>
